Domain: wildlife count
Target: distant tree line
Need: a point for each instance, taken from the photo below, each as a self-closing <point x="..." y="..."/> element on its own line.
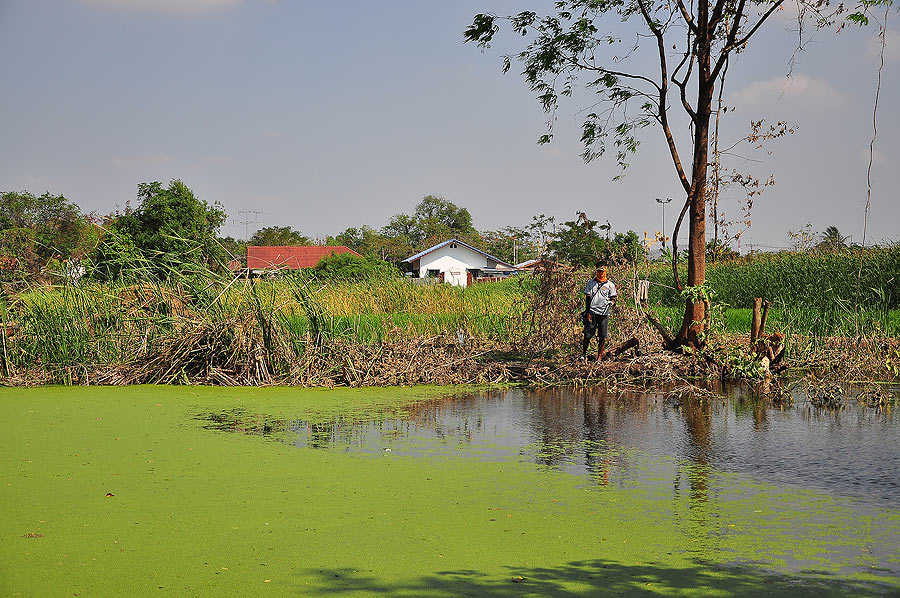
<point x="171" y="231"/>
<point x="578" y="242"/>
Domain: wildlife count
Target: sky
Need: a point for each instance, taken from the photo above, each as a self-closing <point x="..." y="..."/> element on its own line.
<point x="325" y="115"/>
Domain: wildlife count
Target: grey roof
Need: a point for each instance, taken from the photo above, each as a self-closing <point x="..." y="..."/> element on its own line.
<point x="528" y="262"/>
<point x="448" y="241"/>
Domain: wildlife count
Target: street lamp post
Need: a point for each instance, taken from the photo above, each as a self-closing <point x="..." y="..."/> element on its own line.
<point x="663" y="203"/>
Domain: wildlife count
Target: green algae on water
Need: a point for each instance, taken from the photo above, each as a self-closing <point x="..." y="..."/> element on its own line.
<point x="121" y="491"/>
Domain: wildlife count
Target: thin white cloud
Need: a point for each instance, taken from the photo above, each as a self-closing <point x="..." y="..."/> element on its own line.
<point x="797" y="91"/>
<point x="181" y="7"/>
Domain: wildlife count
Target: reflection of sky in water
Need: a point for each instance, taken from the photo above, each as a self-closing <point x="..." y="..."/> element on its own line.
<point x="640" y="440"/>
<point x="707" y="466"/>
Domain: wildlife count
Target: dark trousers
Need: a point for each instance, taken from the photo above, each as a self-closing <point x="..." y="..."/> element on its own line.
<point x="598" y="325"/>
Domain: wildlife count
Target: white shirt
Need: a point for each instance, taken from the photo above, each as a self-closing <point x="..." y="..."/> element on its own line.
<point x="601" y="295"/>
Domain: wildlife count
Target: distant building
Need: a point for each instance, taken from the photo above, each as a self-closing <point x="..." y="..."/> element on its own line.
<point x="541" y="263"/>
<point x="262" y="259"/>
<point x="456" y="262"/>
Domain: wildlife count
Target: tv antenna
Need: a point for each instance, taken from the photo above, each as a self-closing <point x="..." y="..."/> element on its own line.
<point x="247" y="221"/>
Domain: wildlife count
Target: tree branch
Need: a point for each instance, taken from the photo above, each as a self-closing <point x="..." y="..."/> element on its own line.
<point x="678" y="222"/>
<point x="682" y="86"/>
<point x="663" y="92"/>
<point x="687" y="17"/>
<point x="733" y="42"/>
<point x="718" y="11"/>
<point x="599" y="69"/>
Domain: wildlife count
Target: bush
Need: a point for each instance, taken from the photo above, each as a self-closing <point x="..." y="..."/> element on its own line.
<point x="346" y="266"/>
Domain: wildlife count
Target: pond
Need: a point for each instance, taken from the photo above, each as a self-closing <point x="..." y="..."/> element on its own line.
<point x="444" y="492"/>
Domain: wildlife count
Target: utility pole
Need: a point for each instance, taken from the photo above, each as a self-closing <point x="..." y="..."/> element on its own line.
<point x="663" y="203"/>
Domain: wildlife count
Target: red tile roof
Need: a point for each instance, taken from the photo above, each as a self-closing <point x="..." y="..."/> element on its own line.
<point x="292" y="258"/>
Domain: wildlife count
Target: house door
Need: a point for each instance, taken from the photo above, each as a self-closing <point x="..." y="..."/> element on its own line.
<point x="468" y="278"/>
<point x="441" y="277"/>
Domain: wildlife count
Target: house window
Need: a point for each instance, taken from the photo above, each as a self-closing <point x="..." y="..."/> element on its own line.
<point x="432" y="273"/>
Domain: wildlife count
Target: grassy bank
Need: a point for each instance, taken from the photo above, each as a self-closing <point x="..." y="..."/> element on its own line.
<point x="205" y="328"/>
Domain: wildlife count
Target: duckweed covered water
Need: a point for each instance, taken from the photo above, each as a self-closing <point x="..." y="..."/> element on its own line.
<point x="406" y="492"/>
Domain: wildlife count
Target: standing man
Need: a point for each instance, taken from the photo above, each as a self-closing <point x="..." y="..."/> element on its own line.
<point x="599" y="295"/>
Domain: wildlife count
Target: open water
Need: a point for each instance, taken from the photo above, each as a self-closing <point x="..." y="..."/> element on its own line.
<point x="635" y="439"/>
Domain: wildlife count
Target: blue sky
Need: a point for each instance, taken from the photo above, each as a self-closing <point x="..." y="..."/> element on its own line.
<point x="324" y="115"/>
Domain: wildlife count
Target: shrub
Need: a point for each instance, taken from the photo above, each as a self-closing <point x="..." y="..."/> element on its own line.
<point x="346" y="266"/>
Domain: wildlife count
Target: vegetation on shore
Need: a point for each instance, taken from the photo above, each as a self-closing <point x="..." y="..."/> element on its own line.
<point x="825" y="293"/>
<point x="200" y="327"/>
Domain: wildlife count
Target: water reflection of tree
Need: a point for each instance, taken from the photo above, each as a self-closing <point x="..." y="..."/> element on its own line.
<point x="752" y="400"/>
<point x="573" y="424"/>
<point x="700" y="519"/>
<point x="558" y="424"/>
<point x="452" y="417"/>
<point x="596" y="454"/>
<point x="698" y="422"/>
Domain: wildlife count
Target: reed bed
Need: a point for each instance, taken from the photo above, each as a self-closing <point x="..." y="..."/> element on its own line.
<point x="851" y="292"/>
<point x="210" y="329"/>
<point x="859" y="277"/>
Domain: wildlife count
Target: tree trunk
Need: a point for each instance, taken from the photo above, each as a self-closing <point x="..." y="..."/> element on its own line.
<point x="694" y="321"/>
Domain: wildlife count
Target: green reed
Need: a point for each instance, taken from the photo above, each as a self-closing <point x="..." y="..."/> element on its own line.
<point x="851" y="292"/>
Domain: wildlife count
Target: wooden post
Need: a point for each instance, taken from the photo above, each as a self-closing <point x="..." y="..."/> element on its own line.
<point x="762" y="323"/>
<point x="754" y="324"/>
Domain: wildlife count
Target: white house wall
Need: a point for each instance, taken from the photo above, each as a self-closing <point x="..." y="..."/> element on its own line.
<point x="453" y="262"/>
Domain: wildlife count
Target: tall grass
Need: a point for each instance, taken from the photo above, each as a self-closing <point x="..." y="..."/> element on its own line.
<point x="862" y="277"/>
<point x="847" y="292"/>
<point x="266" y="327"/>
<point x="368" y="310"/>
<point x="806" y="321"/>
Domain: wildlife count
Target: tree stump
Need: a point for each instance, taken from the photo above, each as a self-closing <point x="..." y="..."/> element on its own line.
<point x="755" y="322"/>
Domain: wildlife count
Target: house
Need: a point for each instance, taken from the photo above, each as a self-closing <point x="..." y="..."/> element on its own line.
<point x="261" y="258"/>
<point x="456" y="262"/>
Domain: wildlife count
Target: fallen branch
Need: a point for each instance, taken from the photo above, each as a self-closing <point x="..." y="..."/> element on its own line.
<point x="623" y="347"/>
<point x="668" y="341"/>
